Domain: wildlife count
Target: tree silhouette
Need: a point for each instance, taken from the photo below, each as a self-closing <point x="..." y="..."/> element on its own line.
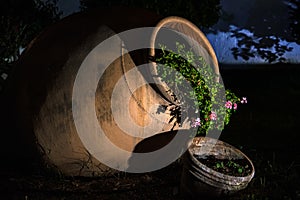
<point x="20" y="22"/>
<point x="294" y="12"/>
<point x="268" y="48"/>
<point x="204" y="13"/>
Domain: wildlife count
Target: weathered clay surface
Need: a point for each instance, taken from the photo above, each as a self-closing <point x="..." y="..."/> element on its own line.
<point x="44" y="83"/>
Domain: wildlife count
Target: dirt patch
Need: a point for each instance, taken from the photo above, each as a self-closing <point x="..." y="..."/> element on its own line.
<point x="232" y="167"/>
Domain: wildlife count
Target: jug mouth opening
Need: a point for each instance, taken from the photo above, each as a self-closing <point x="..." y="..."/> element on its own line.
<point x="172" y="30"/>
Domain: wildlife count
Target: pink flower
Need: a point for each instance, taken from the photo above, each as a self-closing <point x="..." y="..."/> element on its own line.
<point x="228" y="104"/>
<point x="244" y="100"/>
<point x="234" y="106"/>
<point x="213" y="116"/>
<point x="196" y="122"/>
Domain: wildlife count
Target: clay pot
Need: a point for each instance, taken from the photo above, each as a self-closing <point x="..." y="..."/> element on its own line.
<point x="43" y="90"/>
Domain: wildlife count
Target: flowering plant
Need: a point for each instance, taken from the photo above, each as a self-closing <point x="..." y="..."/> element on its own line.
<point x="196" y="90"/>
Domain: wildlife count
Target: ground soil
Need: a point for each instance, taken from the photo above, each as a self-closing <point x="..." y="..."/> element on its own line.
<point x="232" y="167"/>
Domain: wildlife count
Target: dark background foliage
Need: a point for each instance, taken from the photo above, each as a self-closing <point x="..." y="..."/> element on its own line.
<point x="204" y="13"/>
<point x="20" y="22"/>
<point x="261" y="43"/>
<point x="295" y="19"/>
